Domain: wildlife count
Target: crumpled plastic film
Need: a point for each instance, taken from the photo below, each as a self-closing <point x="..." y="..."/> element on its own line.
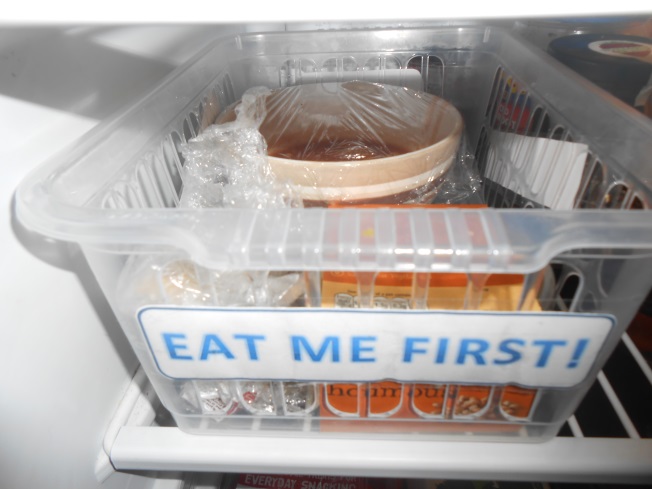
<point x="178" y="281"/>
<point x="216" y="397"/>
<point x="227" y="164"/>
<point x="358" y="142"/>
<point x="257" y="397"/>
<point x="463" y="182"/>
<point x="300" y="397"/>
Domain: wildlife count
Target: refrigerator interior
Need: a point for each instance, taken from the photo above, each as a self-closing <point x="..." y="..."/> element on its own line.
<point x="77" y="412"/>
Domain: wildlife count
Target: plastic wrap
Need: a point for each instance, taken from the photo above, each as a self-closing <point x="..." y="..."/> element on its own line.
<point x="227" y="165"/>
<point x="348" y="141"/>
<point x="462" y="184"/>
<point x="357" y="142"/>
<point x="174" y="280"/>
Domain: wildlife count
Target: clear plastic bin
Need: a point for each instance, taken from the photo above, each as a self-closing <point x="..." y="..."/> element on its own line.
<point x="567" y="241"/>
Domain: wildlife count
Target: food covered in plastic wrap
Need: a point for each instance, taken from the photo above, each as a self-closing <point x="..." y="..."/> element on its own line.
<point x="226" y="166"/>
<point x="322" y="143"/>
<point x="357" y="142"/>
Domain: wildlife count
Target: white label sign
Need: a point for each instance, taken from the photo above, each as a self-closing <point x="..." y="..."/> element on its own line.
<point x="546" y="171"/>
<point x="335" y="345"/>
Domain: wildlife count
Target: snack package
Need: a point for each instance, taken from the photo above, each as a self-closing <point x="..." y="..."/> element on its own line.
<point x="400" y="401"/>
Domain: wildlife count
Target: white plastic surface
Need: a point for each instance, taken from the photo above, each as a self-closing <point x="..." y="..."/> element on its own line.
<point x="52" y="412"/>
<point x="65" y="362"/>
<point x="561" y="459"/>
<point x="365" y="345"/>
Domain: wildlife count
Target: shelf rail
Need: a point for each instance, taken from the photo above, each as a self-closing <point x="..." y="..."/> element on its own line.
<point x="580" y="456"/>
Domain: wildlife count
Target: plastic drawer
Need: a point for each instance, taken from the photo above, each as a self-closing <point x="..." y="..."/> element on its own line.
<point x="581" y="253"/>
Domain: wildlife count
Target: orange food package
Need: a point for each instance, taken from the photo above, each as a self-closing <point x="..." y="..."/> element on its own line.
<point x="429" y="400"/>
<point x="393" y="402"/>
<point x="517" y="402"/>
<point x="470" y="401"/>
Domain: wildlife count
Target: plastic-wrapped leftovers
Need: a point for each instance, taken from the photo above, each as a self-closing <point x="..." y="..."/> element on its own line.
<point x="226" y="166"/>
<point x="314" y="144"/>
<point x="356" y="142"/>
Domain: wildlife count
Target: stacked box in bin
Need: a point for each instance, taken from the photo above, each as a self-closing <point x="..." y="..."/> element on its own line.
<point x="468" y="322"/>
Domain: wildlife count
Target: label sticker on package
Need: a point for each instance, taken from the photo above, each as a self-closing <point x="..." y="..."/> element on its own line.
<point x="286" y="481"/>
<point x="530" y="349"/>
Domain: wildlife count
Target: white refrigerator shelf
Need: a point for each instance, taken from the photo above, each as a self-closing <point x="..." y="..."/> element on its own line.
<point x="609" y="439"/>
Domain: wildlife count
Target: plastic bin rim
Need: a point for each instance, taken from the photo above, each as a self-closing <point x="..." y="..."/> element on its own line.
<point x="513" y="252"/>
